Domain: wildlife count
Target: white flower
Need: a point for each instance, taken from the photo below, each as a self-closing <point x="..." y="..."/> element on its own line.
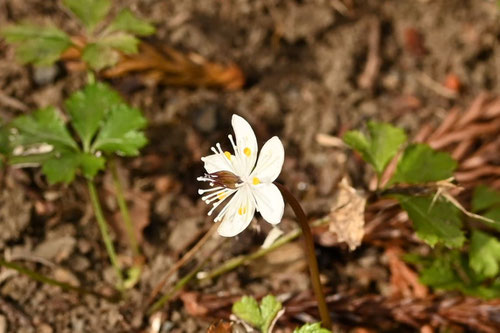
<point x="243" y="180"/>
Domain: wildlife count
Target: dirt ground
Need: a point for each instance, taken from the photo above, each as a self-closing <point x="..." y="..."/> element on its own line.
<point x="311" y="67"/>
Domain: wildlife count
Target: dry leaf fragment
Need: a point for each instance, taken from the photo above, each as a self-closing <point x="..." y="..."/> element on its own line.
<point x="347" y="215"/>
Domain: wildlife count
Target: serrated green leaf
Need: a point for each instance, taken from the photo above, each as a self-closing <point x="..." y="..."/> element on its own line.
<point x="311" y="328"/>
<point x="61" y="169"/>
<point x="484" y="254"/>
<point x="121" y="41"/>
<point x="41" y="46"/>
<point x="121" y="132"/>
<point x="88" y="108"/>
<point x="380" y="146"/>
<point x="99" y="56"/>
<point x="90" y="12"/>
<point x="44" y="126"/>
<point x="269" y="308"/>
<point x="128" y="22"/>
<point x="91" y="165"/>
<point x="421" y="164"/>
<point x="248" y="310"/>
<point x="438" y="222"/>
<point x="451" y="271"/>
<point x="484" y="198"/>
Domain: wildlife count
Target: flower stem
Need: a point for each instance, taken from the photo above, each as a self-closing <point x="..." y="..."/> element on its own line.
<point x="120" y="197"/>
<point x="103" y="226"/>
<point x="310" y="254"/>
<point x="235" y="262"/>
<point x="44" y="279"/>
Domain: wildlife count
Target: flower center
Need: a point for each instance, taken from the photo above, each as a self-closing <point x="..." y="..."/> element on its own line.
<point x="225" y="179"/>
<point x="228" y="155"/>
<point x="247" y="151"/>
<point x="256" y="181"/>
<point x="242" y="210"/>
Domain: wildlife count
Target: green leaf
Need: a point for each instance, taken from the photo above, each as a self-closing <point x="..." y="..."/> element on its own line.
<point x="120" y="41"/>
<point x="421" y="164"/>
<point x="269" y="308"/>
<point x="484" y="198"/>
<point x="380" y="146"/>
<point x="99" y="56"/>
<point x="438" y="222"/>
<point x="494" y="214"/>
<point x="90" y="12"/>
<point x="484" y="254"/>
<point x="41" y="46"/>
<point x="88" y="108"/>
<point x="91" y="165"/>
<point x="121" y="132"/>
<point x="248" y="310"/>
<point x="127" y="21"/>
<point x="61" y="169"/>
<point x="311" y="328"/>
<point x="44" y="126"/>
<point x="5" y="146"/>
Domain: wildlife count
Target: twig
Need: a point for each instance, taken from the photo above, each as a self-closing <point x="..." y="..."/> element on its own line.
<point x="438" y="88"/>
<point x="44" y="279"/>
<point x="182" y="261"/>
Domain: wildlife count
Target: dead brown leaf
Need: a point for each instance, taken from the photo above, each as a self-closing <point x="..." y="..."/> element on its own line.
<point x="347" y="215"/>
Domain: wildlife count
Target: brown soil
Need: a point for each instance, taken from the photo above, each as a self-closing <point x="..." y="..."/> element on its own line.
<point x="312" y="67"/>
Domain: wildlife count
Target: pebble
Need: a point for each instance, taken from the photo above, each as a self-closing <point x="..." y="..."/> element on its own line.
<point x="3" y="324"/>
<point x="45" y="75"/>
<point x="56" y="249"/>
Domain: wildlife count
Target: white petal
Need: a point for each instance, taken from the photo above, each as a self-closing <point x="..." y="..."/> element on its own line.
<point x="217" y="162"/>
<point x="246" y="143"/>
<point x="270" y="161"/>
<point x="270" y="203"/>
<point x="239" y="214"/>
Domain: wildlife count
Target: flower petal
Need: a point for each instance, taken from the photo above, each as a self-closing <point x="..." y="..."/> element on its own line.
<point x="270" y="203"/>
<point x="270" y="161"/>
<point x="217" y="162"/>
<point x="246" y="143"/>
<point x="239" y="214"/>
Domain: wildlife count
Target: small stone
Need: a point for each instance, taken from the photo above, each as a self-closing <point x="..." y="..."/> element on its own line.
<point x="44" y="75"/>
<point x="66" y="276"/>
<point x="79" y="263"/>
<point x="3" y="324"/>
<point x="56" y="249"/>
<point x="44" y="328"/>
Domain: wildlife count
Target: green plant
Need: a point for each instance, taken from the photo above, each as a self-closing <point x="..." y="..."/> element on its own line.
<point x="264" y="315"/>
<point x="104" y="125"/>
<point x="100" y="45"/>
<point x="464" y="257"/>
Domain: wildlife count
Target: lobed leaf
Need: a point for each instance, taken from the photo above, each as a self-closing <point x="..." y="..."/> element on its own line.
<point x="311" y="328"/>
<point x="422" y="164"/>
<point x="484" y="198"/>
<point x="380" y="146"/>
<point x="90" y="12"/>
<point x="269" y="308"/>
<point x="484" y="254"/>
<point x="99" y="56"/>
<point x="44" y="126"/>
<point x="120" y="132"/>
<point x="88" y="107"/>
<point x="128" y="22"/>
<point x="248" y="310"/>
<point x="41" y="46"/>
<point x="121" y="41"/>
<point x="63" y="168"/>
<point x="434" y="222"/>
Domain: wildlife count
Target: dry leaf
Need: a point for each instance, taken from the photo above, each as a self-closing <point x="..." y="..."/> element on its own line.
<point x="220" y="327"/>
<point x="347" y="215"/>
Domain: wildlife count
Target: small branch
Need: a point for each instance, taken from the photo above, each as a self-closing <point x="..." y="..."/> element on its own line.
<point x="120" y="197"/>
<point x="44" y="279"/>
<point x="310" y="254"/>
<point x="246" y="259"/>
<point x="182" y="261"/>
<point x="103" y="226"/>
